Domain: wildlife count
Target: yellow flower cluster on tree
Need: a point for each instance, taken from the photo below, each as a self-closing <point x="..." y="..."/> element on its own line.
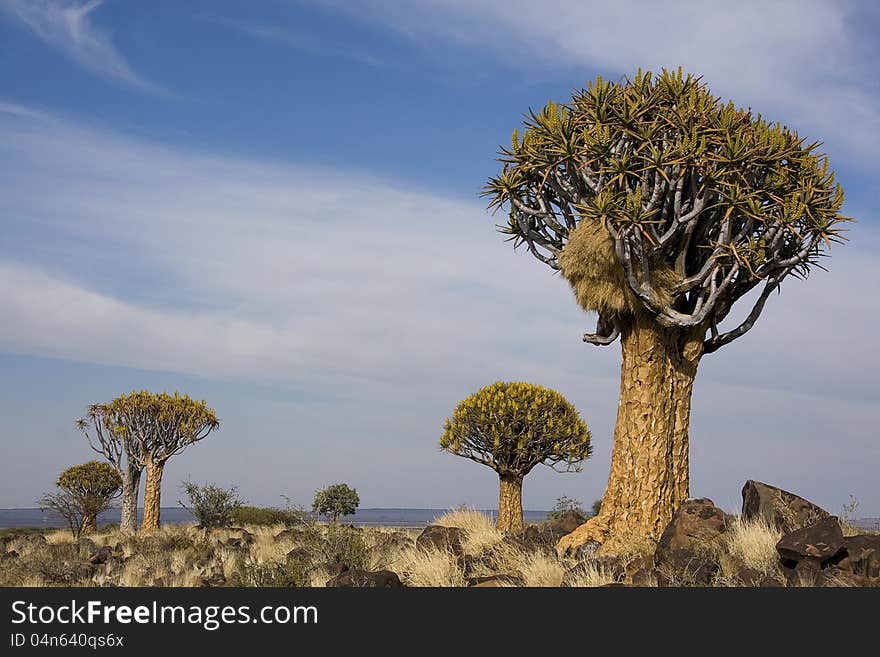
<point x="512" y="427"/>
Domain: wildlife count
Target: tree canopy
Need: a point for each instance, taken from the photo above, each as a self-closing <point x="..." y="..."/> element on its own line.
<point x="653" y="196"/>
<point x="512" y="427"/>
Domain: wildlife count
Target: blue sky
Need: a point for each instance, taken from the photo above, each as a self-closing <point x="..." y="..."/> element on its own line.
<point x="273" y="206"/>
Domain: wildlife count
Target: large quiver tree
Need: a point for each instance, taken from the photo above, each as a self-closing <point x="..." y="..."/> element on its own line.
<point x="662" y="206"/>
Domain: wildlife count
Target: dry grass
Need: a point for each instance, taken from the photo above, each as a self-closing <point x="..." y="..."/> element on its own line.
<point x="590" y="574"/>
<point x="419" y="567"/>
<point x="480" y="528"/>
<point x="539" y="569"/>
<point x="753" y="543"/>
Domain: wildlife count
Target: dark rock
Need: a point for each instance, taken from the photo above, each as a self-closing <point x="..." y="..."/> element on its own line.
<point x="570" y="521"/>
<point x="381" y="579"/>
<point x="686" y="567"/>
<point x="215" y="580"/>
<point x="101" y="556"/>
<point x="610" y="565"/>
<point x="770" y="582"/>
<point x="785" y="511"/>
<point x="638" y="562"/>
<point x="442" y="538"/>
<point x="12" y="554"/>
<point x="862" y="555"/>
<point x="494" y="581"/>
<point x="537" y="538"/>
<point x="749" y="576"/>
<point x="821" y="540"/>
<point x="644" y="577"/>
<point x="332" y="568"/>
<point x="836" y="576"/>
<point x="293" y="534"/>
<point x="804" y="573"/>
<point x="86" y="547"/>
<point x="85" y="570"/>
<point x="299" y="554"/>
<point x="695" y="526"/>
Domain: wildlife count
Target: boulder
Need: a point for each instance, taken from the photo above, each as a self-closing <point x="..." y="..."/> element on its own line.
<point x="12" y="554"/>
<point x="438" y="537"/>
<point x="101" y="556"/>
<point x="862" y="555"/>
<point x="380" y="579"/>
<point x="215" y="580"/>
<point x="822" y="541"/>
<point x="332" y="568"/>
<point x="695" y="526"/>
<point x="804" y="573"/>
<point x="494" y="581"/>
<point x="537" y="538"/>
<point x="299" y="554"/>
<point x="786" y="511"/>
<point x="686" y="567"/>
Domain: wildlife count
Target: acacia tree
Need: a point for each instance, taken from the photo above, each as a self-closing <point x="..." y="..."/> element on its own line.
<point x="109" y="434"/>
<point x="662" y="206"/>
<point x="85" y="491"/>
<point x="336" y="500"/>
<point x="151" y="428"/>
<point x="511" y="428"/>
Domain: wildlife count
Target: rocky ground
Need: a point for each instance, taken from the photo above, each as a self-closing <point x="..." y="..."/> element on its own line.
<point x="779" y="539"/>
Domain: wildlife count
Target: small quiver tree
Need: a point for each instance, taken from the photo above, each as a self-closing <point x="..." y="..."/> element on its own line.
<point x="511" y="428"/>
<point x="84" y="492"/>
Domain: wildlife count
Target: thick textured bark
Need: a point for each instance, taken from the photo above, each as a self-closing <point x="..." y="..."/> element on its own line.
<point x="131" y="483"/>
<point x="649" y="460"/>
<point x="152" y="496"/>
<point x="510" y="515"/>
<point x="89" y="524"/>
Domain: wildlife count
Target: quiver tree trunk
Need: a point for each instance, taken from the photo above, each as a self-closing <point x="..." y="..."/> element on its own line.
<point x="649" y="460"/>
<point x="89" y="524"/>
<point x="131" y="483"/>
<point x="510" y="515"/>
<point x="152" y="495"/>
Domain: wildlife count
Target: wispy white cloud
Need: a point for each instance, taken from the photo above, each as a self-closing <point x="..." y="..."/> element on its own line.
<point x="69" y="28"/>
<point x="303" y="41"/>
<point x="804" y="63"/>
<point x="389" y="304"/>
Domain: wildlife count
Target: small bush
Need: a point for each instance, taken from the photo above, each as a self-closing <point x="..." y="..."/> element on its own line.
<point x="345" y="544"/>
<point x="294" y="572"/>
<point x="563" y="506"/>
<point x="211" y="505"/>
<point x="336" y="500"/>
<point x="265" y="516"/>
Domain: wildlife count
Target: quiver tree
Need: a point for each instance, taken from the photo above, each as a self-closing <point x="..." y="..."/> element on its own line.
<point x="109" y="434"/>
<point x="151" y="428"/>
<point x="85" y="491"/>
<point x="662" y="206"/>
<point x="511" y="428"/>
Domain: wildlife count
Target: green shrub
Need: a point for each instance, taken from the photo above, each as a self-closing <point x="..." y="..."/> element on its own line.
<point x="565" y="505"/>
<point x="293" y="572"/>
<point x="263" y="515"/>
<point x="345" y="544"/>
<point x="211" y="505"/>
<point x="336" y="500"/>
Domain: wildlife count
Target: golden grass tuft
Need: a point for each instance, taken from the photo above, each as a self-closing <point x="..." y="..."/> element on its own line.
<point x="480" y="528"/>
<point x="418" y="567"/>
<point x="753" y="543"/>
<point x="590" y="575"/>
<point x="539" y="569"/>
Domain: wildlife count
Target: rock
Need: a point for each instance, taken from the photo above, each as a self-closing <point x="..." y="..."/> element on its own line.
<point x="644" y="577"/>
<point x="380" y="579"/>
<point x="570" y="521"/>
<point x="610" y="565"/>
<point x="686" y="567"/>
<point x="770" y="582"/>
<point x="537" y="538"/>
<point x="332" y="568"/>
<point x="442" y="538"/>
<point x="786" y="511"/>
<point x="837" y="577"/>
<point x="862" y="555"/>
<point x="694" y="526"/>
<point x="215" y="580"/>
<point x="12" y="554"/>
<point x="494" y="581"/>
<point x="299" y="554"/>
<point x="804" y="573"/>
<point x="749" y="576"/>
<point x="86" y="547"/>
<point x="101" y="556"/>
<point x="293" y="534"/>
<point x="85" y="570"/>
<point x="821" y="540"/>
